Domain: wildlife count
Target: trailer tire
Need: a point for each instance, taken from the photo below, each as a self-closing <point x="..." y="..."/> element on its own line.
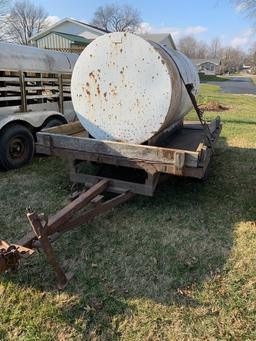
<point x="16" y="146"/>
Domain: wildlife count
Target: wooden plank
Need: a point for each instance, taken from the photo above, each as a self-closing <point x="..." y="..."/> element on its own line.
<point x="46" y="87"/>
<point x="134" y="152"/>
<point x="39" y="79"/>
<point x="116" y="186"/>
<point x="65" y="129"/>
<point x="160" y="138"/>
<point x="10" y="98"/>
<point x="42" y="96"/>
<point x="142" y="164"/>
<point x="10" y="88"/>
<point x="10" y="79"/>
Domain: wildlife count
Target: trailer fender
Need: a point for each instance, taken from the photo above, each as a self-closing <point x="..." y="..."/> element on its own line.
<point x="34" y="119"/>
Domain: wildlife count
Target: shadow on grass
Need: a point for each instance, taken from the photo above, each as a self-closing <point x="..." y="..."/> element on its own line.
<point x="153" y="249"/>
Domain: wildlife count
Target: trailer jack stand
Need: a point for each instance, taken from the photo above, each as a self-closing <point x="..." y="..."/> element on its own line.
<point x="45" y="231"/>
<point x="38" y="225"/>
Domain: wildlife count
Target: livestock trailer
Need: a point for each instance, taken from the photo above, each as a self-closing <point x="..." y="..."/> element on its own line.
<point x="34" y="93"/>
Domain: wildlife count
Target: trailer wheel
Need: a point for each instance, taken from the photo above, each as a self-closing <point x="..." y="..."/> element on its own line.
<point x="54" y="122"/>
<point x="16" y="147"/>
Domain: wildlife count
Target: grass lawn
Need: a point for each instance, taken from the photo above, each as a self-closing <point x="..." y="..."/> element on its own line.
<point x="180" y="266"/>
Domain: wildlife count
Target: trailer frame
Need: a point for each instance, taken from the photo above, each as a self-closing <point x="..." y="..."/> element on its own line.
<point x="164" y="156"/>
<point x="181" y="149"/>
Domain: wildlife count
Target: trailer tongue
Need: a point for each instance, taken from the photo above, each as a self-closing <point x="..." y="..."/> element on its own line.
<point x="46" y="230"/>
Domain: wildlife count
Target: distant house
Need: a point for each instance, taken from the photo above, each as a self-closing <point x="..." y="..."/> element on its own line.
<point x="164" y="39"/>
<point x="67" y="35"/>
<point x="207" y="66"/>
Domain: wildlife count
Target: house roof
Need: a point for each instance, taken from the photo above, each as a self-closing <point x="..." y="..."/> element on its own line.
<point x="73" y="38"/>
<point x="215" y="61"/>
<point x="158" y="37"/>
<point x="54" y="28"/>
<point x="92" y="26"/>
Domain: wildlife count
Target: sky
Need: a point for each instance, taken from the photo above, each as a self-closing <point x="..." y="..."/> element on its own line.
<point x="205" y="19"/>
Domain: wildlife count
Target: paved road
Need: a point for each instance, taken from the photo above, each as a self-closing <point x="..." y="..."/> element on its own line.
<point x="237" y="85"/>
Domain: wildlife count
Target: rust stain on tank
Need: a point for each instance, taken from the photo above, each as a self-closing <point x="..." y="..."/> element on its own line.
<point x="114" y="93"/>
<point x="92" y="75"/>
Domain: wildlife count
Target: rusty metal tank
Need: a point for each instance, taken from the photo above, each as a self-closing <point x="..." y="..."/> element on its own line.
<point x="15" y="57"/>
<point x="125" y="88"/>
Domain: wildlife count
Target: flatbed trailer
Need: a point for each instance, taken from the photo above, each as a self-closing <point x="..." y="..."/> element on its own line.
<point x="182" y="149"/>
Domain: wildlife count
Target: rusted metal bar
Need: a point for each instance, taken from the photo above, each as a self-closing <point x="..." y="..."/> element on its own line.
<point x="23" y="92"/>
<point x="67" y="212"/>
<point x="45" y="231"/>
<point x="40" y="231"/>
<point x="99" y="209"/>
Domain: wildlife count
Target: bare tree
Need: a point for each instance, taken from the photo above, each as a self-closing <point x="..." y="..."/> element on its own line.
<point x="252" y="55"/>
<point x="4" y="6"/>
<point x="202" y="50"/>
<point x="248" y="6"/>
<point x="25" y="20"/>
<point x="188" y="46"/>
<point x="232" y="59"/>
<point x="215" y="48"/>
<point x="116" y="17"/>
<point x="193" y="48"/>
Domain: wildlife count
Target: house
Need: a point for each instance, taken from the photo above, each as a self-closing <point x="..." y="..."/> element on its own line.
<point x="208" y="66"/>
<point x="68" y="35"/>
<point x="164" y="39"/>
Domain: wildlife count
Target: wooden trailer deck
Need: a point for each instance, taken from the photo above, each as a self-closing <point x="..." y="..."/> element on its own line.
<point x="182" y="151"/>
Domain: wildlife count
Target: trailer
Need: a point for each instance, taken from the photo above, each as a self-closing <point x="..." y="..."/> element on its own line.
<point x="34" y="94"/>
<point x="131" y="133"/>
<point x="123" y="169"/>
<point x="179" y="150"/>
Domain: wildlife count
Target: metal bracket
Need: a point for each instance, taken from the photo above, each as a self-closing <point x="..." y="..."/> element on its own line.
<point x="10" y="255"/>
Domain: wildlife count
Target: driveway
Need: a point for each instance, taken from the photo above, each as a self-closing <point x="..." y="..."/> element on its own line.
<point x="237" y="85"/>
